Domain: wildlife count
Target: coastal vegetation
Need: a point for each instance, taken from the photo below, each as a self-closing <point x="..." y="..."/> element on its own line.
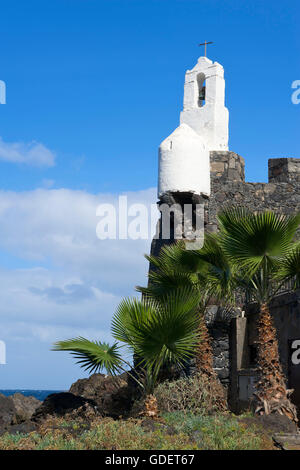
<point x="158" y="332"/>
<point x="250" y="253"/>
<point x="158" y="336"/>
<point x="179" y="431"/>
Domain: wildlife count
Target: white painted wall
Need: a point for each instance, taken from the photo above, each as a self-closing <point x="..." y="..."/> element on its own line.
<point x="183" y="163"/>
<point x="184" y="156"/>
<point x="211" y="120"/>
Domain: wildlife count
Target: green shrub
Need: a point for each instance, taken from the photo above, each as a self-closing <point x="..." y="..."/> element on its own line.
<point x="219" y="432"/>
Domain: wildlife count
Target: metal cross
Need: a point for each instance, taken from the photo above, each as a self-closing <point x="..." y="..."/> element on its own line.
<point x="205" y="44"/>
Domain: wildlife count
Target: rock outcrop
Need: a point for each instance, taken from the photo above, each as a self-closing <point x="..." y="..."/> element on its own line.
<point x="7" y="412"/>
<point x="112" y="395"/>
<point x="25" y="407"/>
<point x="65" y="405"/>
<point x="95" y="397"/>
<point x="16" y="412"/>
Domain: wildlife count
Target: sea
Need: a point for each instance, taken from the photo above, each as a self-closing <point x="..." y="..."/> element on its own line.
<point x="39" y="394"/>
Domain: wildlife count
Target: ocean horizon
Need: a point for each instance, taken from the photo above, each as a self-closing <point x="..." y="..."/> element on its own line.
<point x="39" y="394"/>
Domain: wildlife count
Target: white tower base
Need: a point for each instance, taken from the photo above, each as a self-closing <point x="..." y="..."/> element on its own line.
<point x="184" y="164"/>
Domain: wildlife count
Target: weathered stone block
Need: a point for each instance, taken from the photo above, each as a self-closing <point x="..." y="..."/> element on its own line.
<point x="227" y="166"/>
<point x="217" y="166"/>
<point x="284" y="170"/>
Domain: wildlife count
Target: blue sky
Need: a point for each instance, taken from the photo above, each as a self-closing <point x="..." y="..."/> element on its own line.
<point x="93" y="86"/>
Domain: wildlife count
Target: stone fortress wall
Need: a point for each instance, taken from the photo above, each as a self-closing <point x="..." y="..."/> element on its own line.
<point x="233" y="341"/>
<point x="228" y="186"/>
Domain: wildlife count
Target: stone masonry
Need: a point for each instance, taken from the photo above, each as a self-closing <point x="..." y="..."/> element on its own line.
<point x="228" y="187"/>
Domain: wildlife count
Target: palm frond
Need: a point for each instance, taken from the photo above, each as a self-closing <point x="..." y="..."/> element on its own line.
<point x="171" y="257"/>
<point x="250" y="240"/>
<point x="93" y="356"/>
<point x="163" y="282"/>
<point x="290" y="267"/>
<point x="170" y="335"/>
<point x="129" y="316"/>
<point x="232" y="215"/>
<point x="207" y="270"/>
<point x="159" y="331"/>
<point x="217" y="276"/>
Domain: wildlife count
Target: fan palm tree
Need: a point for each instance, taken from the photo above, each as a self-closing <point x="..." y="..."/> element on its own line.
<point x="159" y="332"/>
<point x="262" y="246"/>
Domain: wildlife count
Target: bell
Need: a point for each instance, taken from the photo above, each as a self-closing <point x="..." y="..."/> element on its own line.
<point x="202" y="94"/>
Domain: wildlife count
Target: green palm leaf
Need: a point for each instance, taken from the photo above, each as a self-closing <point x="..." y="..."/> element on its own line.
<point x="129" y="316"/>
<point x="259" y="240"/>
<point x="170" y="334"/>
<point x="217" y="276"/>
<point x="163" y="282"/>
<point x="207" y="270"/>
<point x="93" y="356"/>
<point x="159" y="331"/>
<point x="175" y="257"/>
<point x="290" y="267"/>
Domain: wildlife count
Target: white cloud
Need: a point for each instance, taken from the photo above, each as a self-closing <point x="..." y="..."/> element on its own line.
<point x="33" y="153"/>
<point x="48" y="299"/>
<point x="61" y="225"/>
<point x="72" y="284"/>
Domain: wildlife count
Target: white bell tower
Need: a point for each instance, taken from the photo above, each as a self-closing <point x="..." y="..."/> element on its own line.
<point x="184" y="157"/>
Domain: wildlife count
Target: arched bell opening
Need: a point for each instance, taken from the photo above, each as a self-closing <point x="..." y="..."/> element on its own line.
<point x="201" y="89"/>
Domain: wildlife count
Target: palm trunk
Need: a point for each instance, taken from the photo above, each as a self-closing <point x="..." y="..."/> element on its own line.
<point x="150" y="407"/>
<point x="204" y="354"/>
<point x="204" y="361"/>
<point x="272" y="394"/>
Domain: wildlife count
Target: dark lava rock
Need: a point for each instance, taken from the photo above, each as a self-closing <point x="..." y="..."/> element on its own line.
<point x="7" y="413"/>
<point x="25" y="406"/>
<point x="15" y="413"/>
<point x="112" y="395"/>
<point x="62" y="404"/>
<point x="23" y="428"/>
<point x="273" y="423"/>
<point x="276" y="423"/>
<point x="99" y="395"/>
